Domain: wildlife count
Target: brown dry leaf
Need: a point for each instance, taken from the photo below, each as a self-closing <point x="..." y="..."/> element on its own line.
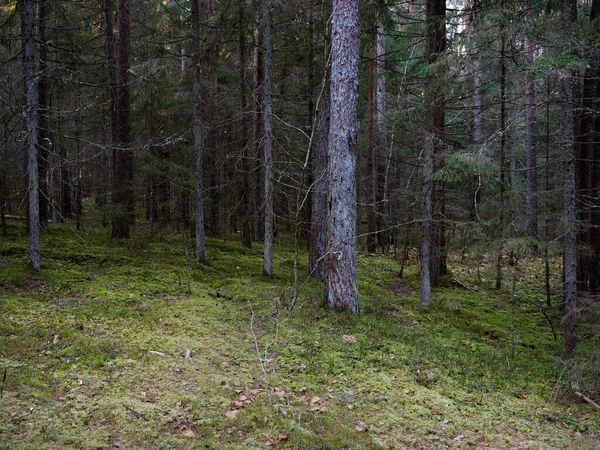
<point x="315" y="400"/>
<point x="350" y="339"/>
<point x="330" y="395"/>
<point x="256" y="391"/>
<point x="237" y="404"/>
<point x="323" y="409"/>
<point x="179" y="405"/>
<point x="358" y="428"/>
<point x="239" y="390"/>
<point x="243" y="398"/>
<point x="302" y="390"/>
<point x="116" y="444"/>
<point x="315" y="409"/>
<point x="130" y="361"/>
<point x="269" y="442"/>
<point x="278" y="392"/>
<point x="188" y="433"/>
<point x="283" y="437"/>
<point x="232" y="414"/>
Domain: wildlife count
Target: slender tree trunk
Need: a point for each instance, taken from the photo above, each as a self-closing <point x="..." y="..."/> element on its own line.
<point x="372" y="152"/>
<point x="122" y="195"/>
<point x="502" y="143"/>
<point x="268" y="146"/>
<point x="570" y="195"/>
<point x="383" y="211"/>
<point x="246" y="192"/>
<point x="43" y="137"/>
<point x="341" y="271"/>
<point x="198" y="133"/>
<point x="530" y="146"/>
<point x="434" y="207"/>
<point x="32" y="129"/>
<point x="257" y="133"/>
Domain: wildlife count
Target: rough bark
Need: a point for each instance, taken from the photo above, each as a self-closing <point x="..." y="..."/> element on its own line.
<point x="31" y="116"/>
<point x="372" y="153"/>
<point x="198" y="133"/>
<point x="122" y="193"/>
<point x="341" y="272"/>
<point x="268" y="144"/>
<point x="259" y="220"/>
<point x="530" y="145"/>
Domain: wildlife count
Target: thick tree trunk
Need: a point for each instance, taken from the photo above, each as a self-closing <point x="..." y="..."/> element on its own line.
<point x="341" y="271"/>
<point x="198" y="133"/>
<point x="246" y="192"/>
<point x="30" y="68"/>
<point x="268" y="146"/>
<point x="530" y="146"/>
<point x="122" y="192"/>
<point x="570" y="196"/>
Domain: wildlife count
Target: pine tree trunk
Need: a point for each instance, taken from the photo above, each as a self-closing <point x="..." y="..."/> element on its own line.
<point x="198" y="133"/>
<point x="341" y="271"/>
<point x="31" y="116"/>
<point x="43" y="136"/>
<point x="268" y="146"/>
<point x="383" y="211"/>
<point x="372" y="153"/>
<point x="259" y="220"/>
<point x="570" y="198"/>
<point x="246" y="192"/>
<point x="122" y="195"/>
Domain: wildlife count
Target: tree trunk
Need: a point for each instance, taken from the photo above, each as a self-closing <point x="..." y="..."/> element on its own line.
<point x="383" y="235"/>
<point x="530" y="148"/>
<point x="341" y="272"/>
<point x="43" y="136"/>
<point x="259" y="220"/>
<point x="198" y="133"/>
<point x="434" y="214"/>
<point x="32" y="129"/>
<point x="570" y="197"/>
<point x="268" y="148"/>
<point x="122" y="195"/>
<point x="372" y="153"/>
<point x="246" y="192"/>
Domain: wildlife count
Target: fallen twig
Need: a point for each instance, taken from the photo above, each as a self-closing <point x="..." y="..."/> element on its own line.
<point x="587" y="400"/>
<point x="464" y="286"/>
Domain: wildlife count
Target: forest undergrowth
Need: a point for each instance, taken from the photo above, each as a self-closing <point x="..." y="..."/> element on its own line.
<point x="131" y="345"/>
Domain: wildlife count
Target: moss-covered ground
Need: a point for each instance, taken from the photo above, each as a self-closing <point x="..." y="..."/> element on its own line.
<point x="129" y="345"/>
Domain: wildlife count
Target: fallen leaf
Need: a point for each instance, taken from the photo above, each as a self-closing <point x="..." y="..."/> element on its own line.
<point x="357" y="428"/>
<point x="256" y="391"/>
<point x="116" y="444"/>
<point x="188" y="433"/>
<point x="278" y="392"/>
<point x="323" y="409"/>
<point x="283" y="437"/>
<point x="179" y="405"/>
<point x="269" y="442"/>
<point x="232" y="414"/>
<point x="188" y="353"/>
<point x="315" y="400"/>
<point x="239" y="390"/>
<point x="130" y="361"/>
<point x="159" y="354"/>
<point x="302" y="390"/>
<point x="243" y="398"/>
<point x="459" y="438"/>
<point x="237" y="404"/>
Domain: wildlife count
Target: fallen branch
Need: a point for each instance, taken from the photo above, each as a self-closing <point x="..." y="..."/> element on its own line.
<point x="464" y="286"/>
<point x="587" y="400"/>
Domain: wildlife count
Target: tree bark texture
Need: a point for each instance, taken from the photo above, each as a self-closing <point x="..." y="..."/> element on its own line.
<point x="31" y="116"/>
<point x="268" y="144"/>
<point x="43" y="135"/>
<point x="341" y="272"/>
<point x="372" y="153"/>
<point x="383" y="235"/>
<point x="257" y="132"/>
<point x="122" y="195"/>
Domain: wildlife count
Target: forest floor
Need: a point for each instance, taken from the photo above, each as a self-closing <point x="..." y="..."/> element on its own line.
<point x="129" y="345"/>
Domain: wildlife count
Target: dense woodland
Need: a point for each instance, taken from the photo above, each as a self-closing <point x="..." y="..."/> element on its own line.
<point x="416" y="132"/>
